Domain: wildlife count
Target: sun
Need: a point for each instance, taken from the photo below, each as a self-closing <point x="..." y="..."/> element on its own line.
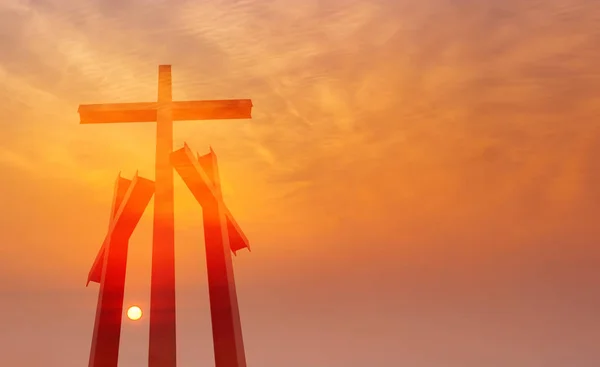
<point x="134" y="313"/>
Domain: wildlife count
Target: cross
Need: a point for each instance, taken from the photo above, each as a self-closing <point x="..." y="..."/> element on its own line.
<point x="201" y="175"/>
<point x="129" y="202"/>
<point x="162" y="338"/>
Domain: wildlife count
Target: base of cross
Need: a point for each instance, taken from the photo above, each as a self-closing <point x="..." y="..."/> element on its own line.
<point x="222" y="235"/>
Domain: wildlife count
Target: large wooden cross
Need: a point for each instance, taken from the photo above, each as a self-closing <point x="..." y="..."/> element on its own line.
<point x="162" y="338"/>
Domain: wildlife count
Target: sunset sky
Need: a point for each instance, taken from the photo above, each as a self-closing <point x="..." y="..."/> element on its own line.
<point x="420" y="181"/>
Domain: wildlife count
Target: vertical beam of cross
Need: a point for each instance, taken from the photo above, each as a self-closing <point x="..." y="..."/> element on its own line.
<point x="130" y="200"/>
<point x="228" y="343"/>
<point x="107" y="326"/>
<point x="201" y="176"/>
<point x="162" y="336"/>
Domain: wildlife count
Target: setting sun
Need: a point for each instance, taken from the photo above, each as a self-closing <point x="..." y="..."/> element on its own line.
<point x="134" y="313"/>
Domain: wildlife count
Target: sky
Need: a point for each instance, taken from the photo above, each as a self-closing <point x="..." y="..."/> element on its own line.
<point x="419" y="182"/>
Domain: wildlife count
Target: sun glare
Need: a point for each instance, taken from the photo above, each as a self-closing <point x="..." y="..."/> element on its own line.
<point x="134" y="313"/>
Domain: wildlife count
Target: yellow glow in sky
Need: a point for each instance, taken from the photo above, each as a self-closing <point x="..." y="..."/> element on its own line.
<point x="134" y="313"/>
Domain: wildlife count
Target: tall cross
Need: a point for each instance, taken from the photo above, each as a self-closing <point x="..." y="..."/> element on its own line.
<point x="162" y="339"/>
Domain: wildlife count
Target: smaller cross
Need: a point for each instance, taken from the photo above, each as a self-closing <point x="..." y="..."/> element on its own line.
<point x="201" y="175"/>
<point x="130" y="200"/>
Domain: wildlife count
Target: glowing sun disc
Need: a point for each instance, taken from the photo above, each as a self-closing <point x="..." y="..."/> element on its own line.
<point x="134" y="313"/>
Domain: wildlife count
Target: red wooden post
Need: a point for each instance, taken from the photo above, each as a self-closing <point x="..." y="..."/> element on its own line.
<point x="130" y="201"/>
<point x="202" y="178"/>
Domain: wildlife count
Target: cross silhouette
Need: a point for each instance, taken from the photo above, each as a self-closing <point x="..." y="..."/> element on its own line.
<point x="162" y="339"/>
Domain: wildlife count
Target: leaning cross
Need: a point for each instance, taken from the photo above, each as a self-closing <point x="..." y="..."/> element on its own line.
<point x="162" y="338"/>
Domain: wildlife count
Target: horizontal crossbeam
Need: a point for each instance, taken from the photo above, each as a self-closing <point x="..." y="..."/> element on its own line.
<point x="181" y="111"/>
<point x="203" y="189"/>
<point x="128" y="208"/>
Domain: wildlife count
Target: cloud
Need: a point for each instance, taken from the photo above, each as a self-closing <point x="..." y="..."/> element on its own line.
<point x="399" y="107"/>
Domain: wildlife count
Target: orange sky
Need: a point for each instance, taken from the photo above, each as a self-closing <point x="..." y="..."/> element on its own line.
<point x="420" y="181"/>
